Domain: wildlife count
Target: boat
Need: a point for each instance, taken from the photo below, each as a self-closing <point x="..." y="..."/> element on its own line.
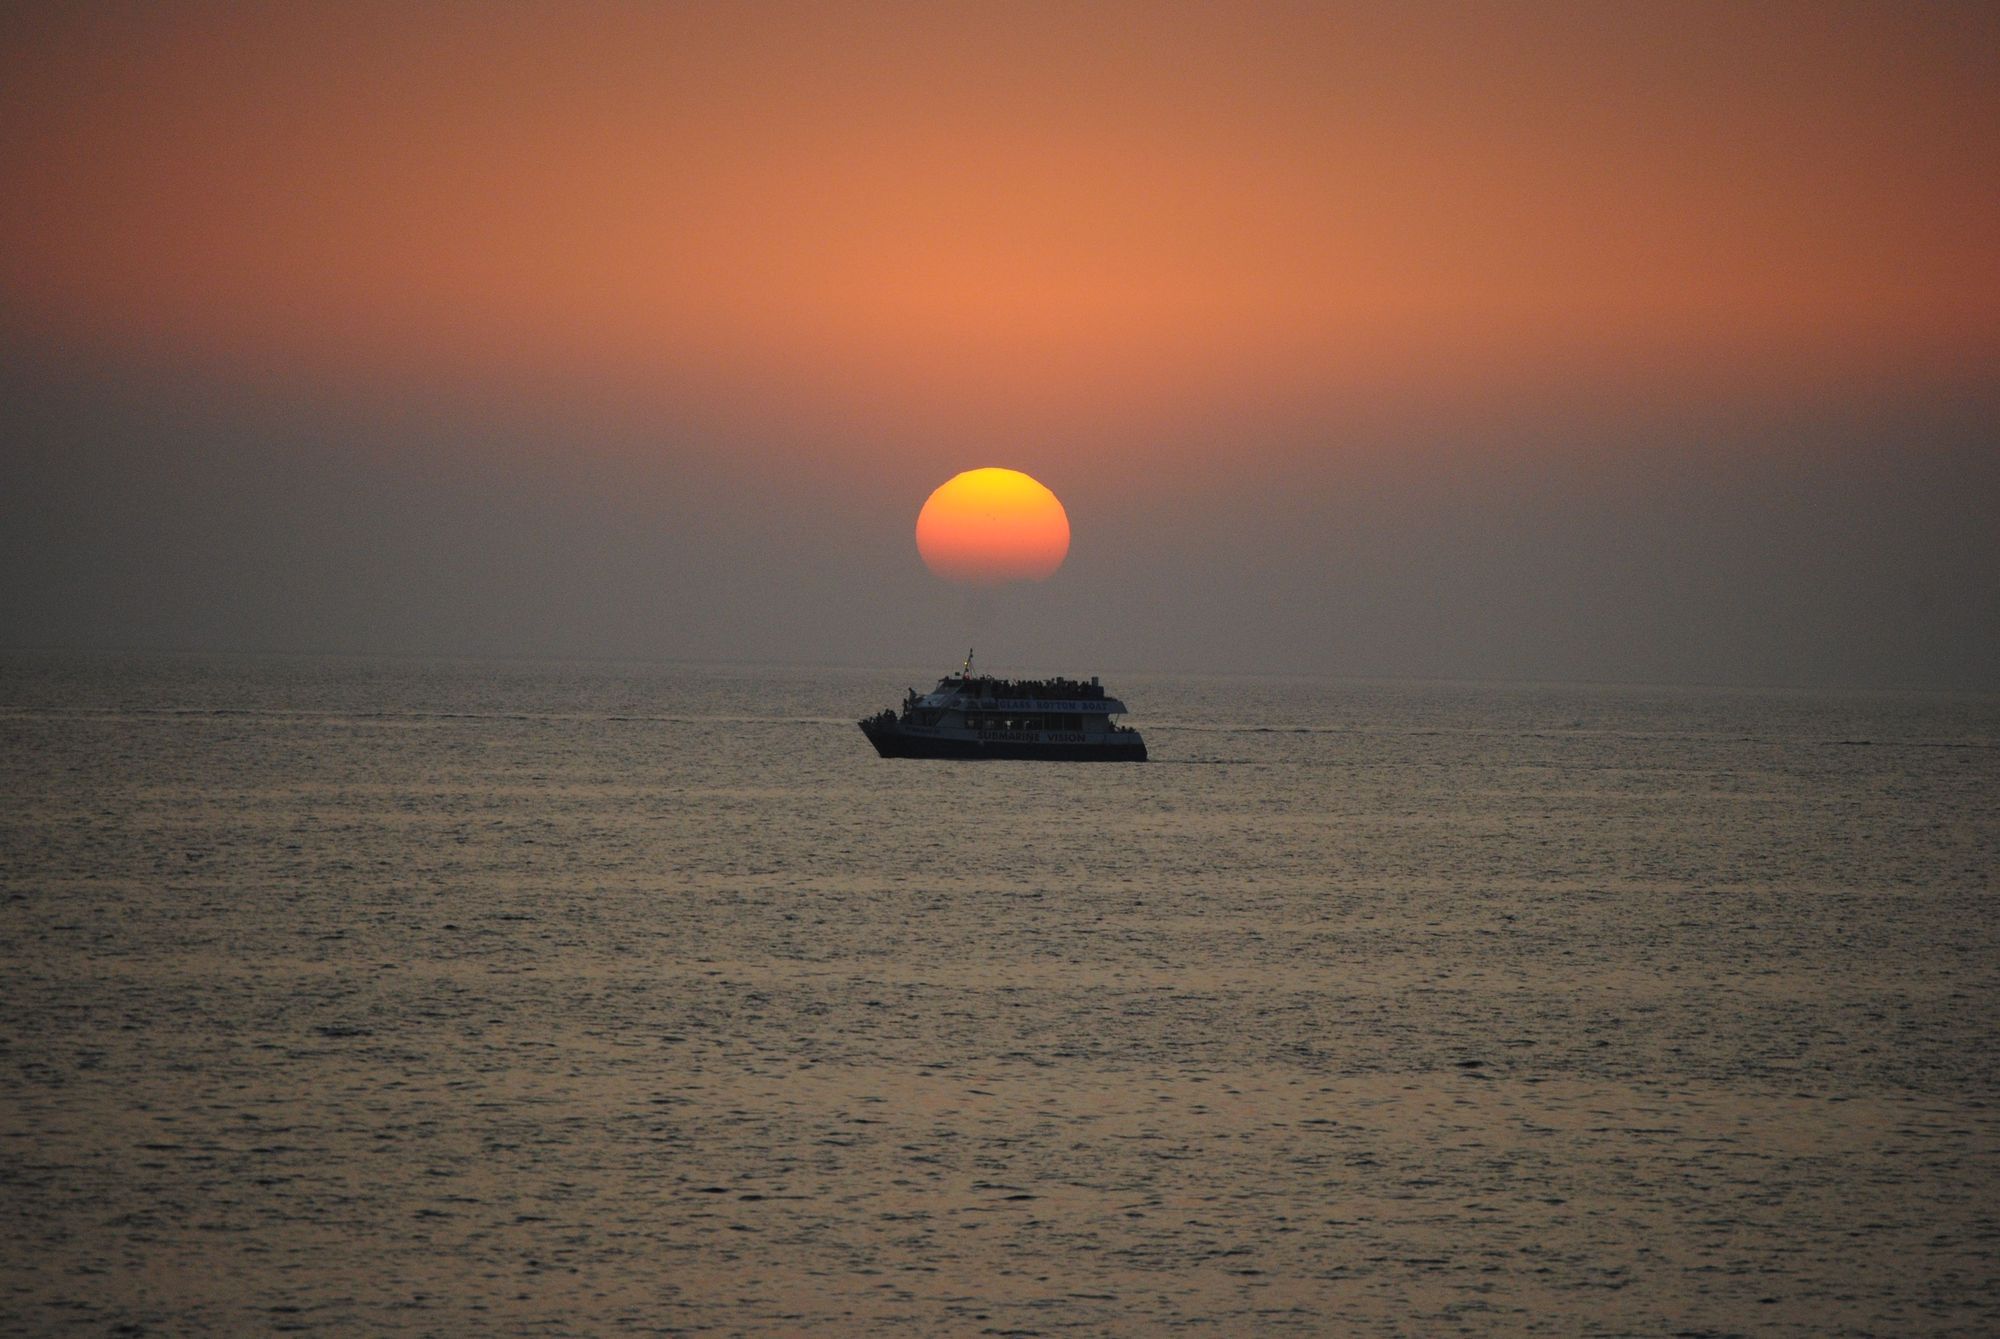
<point x="977" y="716"/>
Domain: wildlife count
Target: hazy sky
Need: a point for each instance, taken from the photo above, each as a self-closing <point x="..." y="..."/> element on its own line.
<point x="1581" y="342"/>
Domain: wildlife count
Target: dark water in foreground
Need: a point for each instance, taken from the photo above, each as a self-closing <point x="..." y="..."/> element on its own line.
<point x="379" y="998"/>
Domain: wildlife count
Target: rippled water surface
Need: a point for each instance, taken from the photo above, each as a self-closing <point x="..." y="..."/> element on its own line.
<point x="364" y="997"/>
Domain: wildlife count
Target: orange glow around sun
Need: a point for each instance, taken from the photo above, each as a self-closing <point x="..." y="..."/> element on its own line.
<point x="990" y="526"/>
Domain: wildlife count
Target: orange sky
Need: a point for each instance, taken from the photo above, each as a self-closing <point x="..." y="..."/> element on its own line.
<point x="1533" y="340"/>
<point x="1010" y="218"/>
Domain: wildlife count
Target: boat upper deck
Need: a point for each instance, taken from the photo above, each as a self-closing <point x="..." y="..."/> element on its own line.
<point x="983" y="692"/>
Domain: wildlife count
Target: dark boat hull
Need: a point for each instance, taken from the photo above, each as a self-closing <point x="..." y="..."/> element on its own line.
<point x="890" y="741"/>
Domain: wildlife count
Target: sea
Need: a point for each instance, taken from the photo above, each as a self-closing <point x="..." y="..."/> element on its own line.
<point x="355" y="996"/>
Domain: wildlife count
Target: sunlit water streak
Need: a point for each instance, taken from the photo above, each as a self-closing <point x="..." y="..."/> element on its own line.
<point x="372" y="997"/>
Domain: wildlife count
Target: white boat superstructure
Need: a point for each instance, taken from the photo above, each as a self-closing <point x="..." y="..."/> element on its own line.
<point x="977" y="716"/>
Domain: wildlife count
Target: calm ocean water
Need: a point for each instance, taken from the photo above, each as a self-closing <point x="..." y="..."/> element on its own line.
<point x="362" y="997"/>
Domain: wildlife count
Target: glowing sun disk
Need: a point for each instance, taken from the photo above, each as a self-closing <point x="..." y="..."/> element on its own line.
<point x="990" y="526"/>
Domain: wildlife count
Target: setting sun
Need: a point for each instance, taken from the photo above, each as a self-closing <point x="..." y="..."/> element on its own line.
<point x="990" y="526"/>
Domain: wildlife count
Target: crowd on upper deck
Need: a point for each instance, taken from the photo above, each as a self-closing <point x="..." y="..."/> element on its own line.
<point x="1057" y="689"/>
